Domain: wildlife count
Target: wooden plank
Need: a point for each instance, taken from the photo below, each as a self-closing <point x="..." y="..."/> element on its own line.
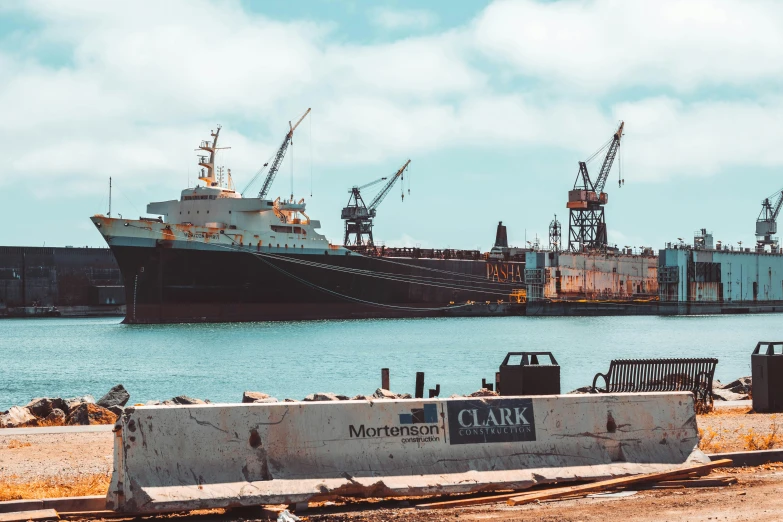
<point x="493" y="499"/>
<point x="12" y="506"/>
<point x="22" y="516"/>
<point x="698" y="483"/>
<point x="89" y="503"/>
<point x="76" y="504"/>
<point x="462" y="502"/>
<point x="610" y="484"/>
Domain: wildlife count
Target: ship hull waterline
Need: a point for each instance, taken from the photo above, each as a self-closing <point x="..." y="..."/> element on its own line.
<point x="171" y="285"/>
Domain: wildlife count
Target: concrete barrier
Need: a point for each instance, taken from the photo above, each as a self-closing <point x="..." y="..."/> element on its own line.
<point x="175" y="458"/>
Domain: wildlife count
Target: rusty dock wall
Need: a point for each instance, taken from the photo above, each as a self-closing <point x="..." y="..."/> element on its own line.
<point x="570" y="276"/>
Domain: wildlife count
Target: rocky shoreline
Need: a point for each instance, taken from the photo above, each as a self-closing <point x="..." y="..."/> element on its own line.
<point x="738" y="390"/>
<point x="85" y="410"/>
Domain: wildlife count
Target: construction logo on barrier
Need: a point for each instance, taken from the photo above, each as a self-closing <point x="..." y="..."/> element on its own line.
<point x="419" y="425"/>
<point x="498" y="420"/>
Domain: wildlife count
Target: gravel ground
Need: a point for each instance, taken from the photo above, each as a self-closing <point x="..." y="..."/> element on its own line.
<point x="31" y="457"/>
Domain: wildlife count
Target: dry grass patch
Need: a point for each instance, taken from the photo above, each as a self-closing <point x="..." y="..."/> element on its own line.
<point x="762" y="441"/>
<point x="16" y="444"/>
<point x="729" y="411"/>
<point x="710" y="440"/>
<point x="14" y="488"/>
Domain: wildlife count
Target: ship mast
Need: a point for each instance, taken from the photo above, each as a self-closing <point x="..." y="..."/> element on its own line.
<point x="208" y="164"/>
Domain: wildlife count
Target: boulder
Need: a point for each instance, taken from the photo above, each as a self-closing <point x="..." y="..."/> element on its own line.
<point x="251" y="396"/>
<point x="87" y="413"/>
<point x="743" y="385"/>
<point x="184" y="400"/>
<point x="55" y="418"/>
<point x="321" y="396"/>
<point x="380" y="393"/>
<point x="117" y="396"/>
<point x="483" y="392"/>
<point x="361" y="398"/>
<point x="724" y="394"/>
<point x="117" y="410"/>
<point x="290" y="400"/>
<point x="73" y="402"/>
<point x="41" y="407"/>
<point x="342" y="397"/>
<point x="17" y="417"/>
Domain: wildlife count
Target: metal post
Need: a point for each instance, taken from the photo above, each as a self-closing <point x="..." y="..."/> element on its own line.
<point x="385" y="378"/>
<point x="419" y="385"/>
<point x="24" y="278"/>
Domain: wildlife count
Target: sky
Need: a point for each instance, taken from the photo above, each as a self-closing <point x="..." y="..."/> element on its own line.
<point x="495" y="103"/>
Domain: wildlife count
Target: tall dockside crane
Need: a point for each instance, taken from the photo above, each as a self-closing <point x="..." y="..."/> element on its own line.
<point x="586" y="224"/>
<point x="766" y="224"/>
<point x="358" y="216"/>
<point x="278" y="159"/>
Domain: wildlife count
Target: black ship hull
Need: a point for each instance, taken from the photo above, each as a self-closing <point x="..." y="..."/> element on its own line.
<point x="170" y="285"/>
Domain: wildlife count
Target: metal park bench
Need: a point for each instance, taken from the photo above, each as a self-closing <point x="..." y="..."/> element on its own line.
<point x="653" y="375"/>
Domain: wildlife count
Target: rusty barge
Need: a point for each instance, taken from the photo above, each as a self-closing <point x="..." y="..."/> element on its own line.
<point x="215" y="256"/>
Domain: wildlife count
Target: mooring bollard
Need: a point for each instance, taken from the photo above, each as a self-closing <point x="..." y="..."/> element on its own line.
<point x="419" y="392"/>
<point x="434" y="392"/>
<point x="385" y="378"/>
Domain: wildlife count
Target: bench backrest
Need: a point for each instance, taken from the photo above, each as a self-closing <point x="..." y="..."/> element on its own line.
<point x="650" y="375"/>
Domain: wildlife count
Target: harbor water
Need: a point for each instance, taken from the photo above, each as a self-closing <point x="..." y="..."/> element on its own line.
<point x="70" y="357"/>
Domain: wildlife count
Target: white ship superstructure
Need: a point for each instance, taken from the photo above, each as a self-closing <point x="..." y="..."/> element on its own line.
<point x="214" y="215"/>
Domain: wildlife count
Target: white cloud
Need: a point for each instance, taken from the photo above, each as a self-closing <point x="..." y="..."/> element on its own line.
<point x="134" y="98"/>
<point x="599" y="45"/>
<point x="665" y="137"/>
<point x="393" y="19"/>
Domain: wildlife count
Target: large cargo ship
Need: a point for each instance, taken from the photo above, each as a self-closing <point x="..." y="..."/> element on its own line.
<point x="215" y="256"/>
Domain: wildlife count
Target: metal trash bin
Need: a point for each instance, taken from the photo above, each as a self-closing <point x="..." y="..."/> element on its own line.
<point x="767" y="372"/>
<point x="522" y="374"/>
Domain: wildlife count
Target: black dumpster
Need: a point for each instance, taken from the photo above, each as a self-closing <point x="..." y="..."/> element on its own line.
<point x="522" y="374"/>
<point x="767" y="371"/>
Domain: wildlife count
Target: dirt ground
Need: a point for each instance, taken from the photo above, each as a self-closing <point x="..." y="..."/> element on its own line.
<point x="756" y="497"/>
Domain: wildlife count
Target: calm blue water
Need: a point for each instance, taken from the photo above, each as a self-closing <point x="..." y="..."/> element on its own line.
<point x="68" y="357"/>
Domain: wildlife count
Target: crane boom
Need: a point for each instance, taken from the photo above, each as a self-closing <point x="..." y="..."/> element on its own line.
<point x="370" y="184"/>
<point x="778" y="205"/>
<point x="766" y="223"/>
<point x="382" y="194"/>
<point x="609" y="159"/>
<point x="278" y="160"/>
